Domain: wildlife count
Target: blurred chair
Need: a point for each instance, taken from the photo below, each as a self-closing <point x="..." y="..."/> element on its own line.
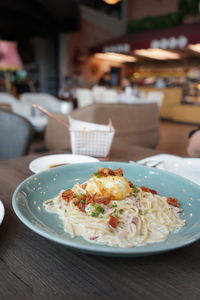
<point x="101" y="94"/>
<point x="155" y="96"/>
<point x="37" y="119"/>
<point x="25" y="109"/>
<point x="48" y="101"/>
<point x="111" y="96"/>
<point x="142" y="94"/>
<point x="22" y="109"/>
<point x="15" y="105"/>
<point x="84" y="97"/>
<point x="15" y="135"/>
<point x="128" y="98"/>
<point x="7" y="98"/>
<point x="98" y="93"/>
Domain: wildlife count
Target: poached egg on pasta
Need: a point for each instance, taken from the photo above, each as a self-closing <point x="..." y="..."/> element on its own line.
<point x="113" y="186"/>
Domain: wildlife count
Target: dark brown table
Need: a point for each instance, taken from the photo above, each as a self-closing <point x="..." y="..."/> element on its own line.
<point x="32" y="267"/>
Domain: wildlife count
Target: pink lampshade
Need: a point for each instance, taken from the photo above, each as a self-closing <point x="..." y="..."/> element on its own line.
<point x="9" y="57"/>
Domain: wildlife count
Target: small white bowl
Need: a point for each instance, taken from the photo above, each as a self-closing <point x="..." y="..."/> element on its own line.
<point x="49" y="161"/>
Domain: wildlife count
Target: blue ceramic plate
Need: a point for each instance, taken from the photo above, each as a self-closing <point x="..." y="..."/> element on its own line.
<point x="29" y="197"/>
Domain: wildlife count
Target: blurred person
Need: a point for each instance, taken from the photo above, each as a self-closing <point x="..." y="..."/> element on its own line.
<point x="193" y="148"/>
<point x="130" y="92"/>
<point x="99" y="89"/>
<point x="21" y="87"/>
<point x="160" y="83"/>
<point x="105" y="80"/>
<point x="128" y="87"/>
<point x="126" y="82"/>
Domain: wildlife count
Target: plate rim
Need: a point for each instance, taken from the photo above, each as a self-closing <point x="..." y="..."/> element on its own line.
<point x="59" y="154"/>
<point x="97" y="249"/>
<point x="2" y="212"/>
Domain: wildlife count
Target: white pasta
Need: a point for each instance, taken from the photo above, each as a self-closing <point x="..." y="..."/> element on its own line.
<point x="142" y="218"/>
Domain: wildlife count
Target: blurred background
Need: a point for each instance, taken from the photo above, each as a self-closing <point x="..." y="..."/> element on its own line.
<point x="78" y="41"/>
<point x="89" y="51"/>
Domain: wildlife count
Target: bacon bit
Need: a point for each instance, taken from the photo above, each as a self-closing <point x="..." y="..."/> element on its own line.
<point x="130" y="184"/>
<point x="173" y="202"/>
<point x="146" y="189"/>
<point x="84" y="186"/>
<point x="118" y="172"/>
<point x="102" y="200"/>
<point x="113" y="221"/>
<point x="81" y="206"/>
<point x="89" y="198"/>
<point x="85" y="199"/>
<point x="104" y="172"/>
<point x="67" y="195"/>
<point x="94" y="238"/>
<point x="80" y="202"/>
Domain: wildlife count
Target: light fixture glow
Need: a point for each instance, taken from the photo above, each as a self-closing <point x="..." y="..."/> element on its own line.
<point x="112" y="2"/>
<point x="157" y="53"/>
<point x="115" y="56"/>
<point x="194" y="47"/>
<point x="9" y="56"/>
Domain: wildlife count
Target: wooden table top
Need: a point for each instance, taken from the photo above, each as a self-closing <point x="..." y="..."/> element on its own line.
<point x="32" y="267"/>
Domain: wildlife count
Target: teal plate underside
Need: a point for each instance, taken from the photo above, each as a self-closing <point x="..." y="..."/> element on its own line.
<point x="29" y="196"/>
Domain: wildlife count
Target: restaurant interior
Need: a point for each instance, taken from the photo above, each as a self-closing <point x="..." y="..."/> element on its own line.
<point x="112" y="85"/>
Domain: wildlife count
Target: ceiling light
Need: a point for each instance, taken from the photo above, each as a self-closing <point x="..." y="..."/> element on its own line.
<point x="195" y="47"/>
<point x="115" y="56"/>
<point x="157" y="53"/>
<point x="111" y="1"/>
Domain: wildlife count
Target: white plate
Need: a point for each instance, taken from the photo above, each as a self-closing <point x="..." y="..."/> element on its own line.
<point x="2" y="212"/>
<point x="45" y="162"/>
<point x="186" y="167"/>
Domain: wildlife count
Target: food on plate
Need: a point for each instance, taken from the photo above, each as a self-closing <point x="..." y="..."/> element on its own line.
<point x="108" y="183"/>
<point x="108" y="209"/>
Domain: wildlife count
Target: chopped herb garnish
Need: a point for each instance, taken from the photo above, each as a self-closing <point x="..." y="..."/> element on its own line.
<point x="143" y="211"/>
<point x="82" y="201"/>
<point x="114" y="205"/>
<point x="97" y="174"/>
<point x="99" y="208"/>
<point x="116" y="212"/>
<point x="135" y="189"/>
<point x="94" y="214"/>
